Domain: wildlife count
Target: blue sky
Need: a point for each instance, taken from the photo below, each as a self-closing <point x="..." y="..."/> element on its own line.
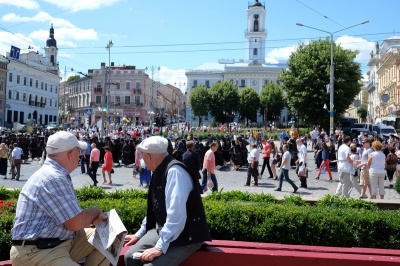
<point x="177" y="35"/>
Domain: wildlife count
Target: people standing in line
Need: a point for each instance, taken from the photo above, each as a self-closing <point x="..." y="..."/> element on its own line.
<point x="191" y="159"/>
<point x="94" y="162"/>
<point x="85" y="158"/>
<point x="284" y="169"/>
<point x="391" y="165"/>
<point x="3" y="160"/>
<point x="364" y="169"/>
<point x="50" y="228"/>
<point x="326" y="161"/>
<point x="354" y="175"/>
<point x="209" y="168"/>
<point x="376" y="163"/>
<point x="107" y="166"/>
<point x="345" y="166"/>
<point x="266" y="157"/>
<point x="252" y="169"/>
<point x="301" y="161"/>
<point x="168" y="234"/>
<point x="16" y="162"/>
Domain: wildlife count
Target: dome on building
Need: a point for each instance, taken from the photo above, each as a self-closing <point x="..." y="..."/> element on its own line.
<point x="51" y="42"/>
<point x="256" y="3"/>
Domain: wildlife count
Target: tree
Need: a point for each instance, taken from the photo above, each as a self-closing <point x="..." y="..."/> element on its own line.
<point x="271" y="97"/>
<point x="72" y="78"/>
<point x="199" y="100"/>
<point x="308" y="74"/>
<point x="249" y="104"/>
<point x="362" y="112"/>
<point x="224" y="100"/>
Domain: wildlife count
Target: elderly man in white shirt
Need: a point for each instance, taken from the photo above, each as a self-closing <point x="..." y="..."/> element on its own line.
<point x="303" y="160"/>
<point x="345" y="164"/>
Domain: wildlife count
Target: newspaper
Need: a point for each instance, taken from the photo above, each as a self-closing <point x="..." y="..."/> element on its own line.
<point x="109" y="237"/>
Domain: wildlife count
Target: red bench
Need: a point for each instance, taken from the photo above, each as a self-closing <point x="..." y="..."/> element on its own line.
<point x="222" y="252"/>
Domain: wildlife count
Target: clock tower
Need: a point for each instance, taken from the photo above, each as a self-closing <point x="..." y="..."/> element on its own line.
<point x="255" y="33"/>
<point x="51" y="52"/>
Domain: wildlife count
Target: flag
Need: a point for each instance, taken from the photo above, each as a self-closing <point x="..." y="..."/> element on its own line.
<point x="126" y="119"/>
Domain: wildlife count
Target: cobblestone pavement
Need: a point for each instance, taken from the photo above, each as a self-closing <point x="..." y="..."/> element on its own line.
<point x="227" y="181"/>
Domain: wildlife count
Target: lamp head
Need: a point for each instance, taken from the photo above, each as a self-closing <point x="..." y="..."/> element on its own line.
<point x="299" y="24"/>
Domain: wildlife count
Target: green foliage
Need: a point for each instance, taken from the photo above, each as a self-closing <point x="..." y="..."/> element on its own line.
<point x="72" y="78"/>
<point x="340" y="202"/>
<point x="199" y="99"/>
<point x="397" y="185"/>
<point x="224" y="100"/>
<point x="308" y="74"/>
<point x="271" y="97"/>
<point x="249" y="103"/>
<point x="6" y="194"/>
<point x="362" y="112"/>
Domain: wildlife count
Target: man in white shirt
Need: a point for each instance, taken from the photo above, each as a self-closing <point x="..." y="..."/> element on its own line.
<point x="314" y="134"/>
<point x="16" y="162"/>
<point x="345" y="164"/>
<point x="284" y="169"/>
<point x="303" y="160"/>
<point x="252" y="169"/>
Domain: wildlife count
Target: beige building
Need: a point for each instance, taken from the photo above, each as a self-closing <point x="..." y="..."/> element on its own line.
<point x="3" y="79"/>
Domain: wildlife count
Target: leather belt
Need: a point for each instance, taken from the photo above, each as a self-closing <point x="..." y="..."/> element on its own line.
<point x="29" y="242"/>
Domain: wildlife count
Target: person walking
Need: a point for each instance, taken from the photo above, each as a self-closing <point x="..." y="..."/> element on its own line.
<point x="345" y="166"/>
<point x="168" y="234"/>
<point x="209" y="168"/>
<point x="16" y="160"/>
<point x="252" y="169"/>
<point x="284" y="169"/>
<point x="94" y="162"/>
<point x="50" y="228"/>
<point x="191" y="159"/>
<point x="3" y="160"/>
<point x="364" y="169"/>
<point x="325" y="162"/>
<point x="107" y="166"/>
<point x="391" y="165"/>
<point x="266" y="157"/>
<point x="301" y="161"/>
<point x="85" y="158"/>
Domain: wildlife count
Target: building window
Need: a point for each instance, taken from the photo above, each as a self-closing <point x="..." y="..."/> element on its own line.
<point x="9" y="94"/>
<point x="45" y="87"/>
<point x="118" y="85"/>
<point x="17" y="96"/>
<point x="242" y="83"/>
<point x="127" y="100"/>
<point x="51" y="88"/>
<point x="51" y="101"/>
<point x="24" y="81"/>
<point x="37" y="84"/>
<point x="117" y="100"/>
<point x="10" y="77"/>
<point x="137" y="85"/>
<point x="1" y="85"/>
<point x="41" y="85"/>
<point x="137" y="100"/>
<point x="256" y="24"/>
<point x="194" y="83"/>
<point x="278" y="82"/>
<point x="56" y="89"/>
<point x="24" y="97"/>
<point x="255" y="51"/>
<point x="128" y="85"/>
<point x="207" y="83"/>
<point x="98" y="99"/>
<point x="18" y="79"/>
<point x="55" y="103"/>
<point x="266" y="82"/>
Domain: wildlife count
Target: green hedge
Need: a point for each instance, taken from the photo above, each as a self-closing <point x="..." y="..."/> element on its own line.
<point x="237" y="215"/>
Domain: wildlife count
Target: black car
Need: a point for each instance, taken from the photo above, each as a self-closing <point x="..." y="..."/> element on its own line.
<point x="355" y="132"/>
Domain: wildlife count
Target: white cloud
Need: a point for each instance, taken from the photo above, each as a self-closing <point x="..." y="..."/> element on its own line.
<point x="280" y="53"/>
<point x="172" y="76"/>
<point x="27" y="4"/>
<point x="39" y="17"/>
<point x="79" y="5"/>
<point x="7" y="39"/>
<point x="357" y="43"/>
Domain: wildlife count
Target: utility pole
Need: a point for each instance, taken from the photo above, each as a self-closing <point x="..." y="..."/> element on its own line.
<point x="152" y="69"/>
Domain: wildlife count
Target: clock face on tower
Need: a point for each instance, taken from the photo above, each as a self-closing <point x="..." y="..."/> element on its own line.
<point x="254" y="82"/>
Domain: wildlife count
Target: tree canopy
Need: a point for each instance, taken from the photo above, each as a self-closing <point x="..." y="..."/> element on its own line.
<point x="224" y="100"/>
<point x="249" y="103"/>
<point x="199" y="100"/>
<point x="271" y="97"/>
<point x="72" y="78"/>
<point x="308" y="74"/>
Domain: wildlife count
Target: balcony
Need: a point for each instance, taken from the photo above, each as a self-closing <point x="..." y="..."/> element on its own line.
<point x="98" y="89"/>
<point x="137" y="91"/>
<point x="71" y="108"/>
<point x="42" y="105"/>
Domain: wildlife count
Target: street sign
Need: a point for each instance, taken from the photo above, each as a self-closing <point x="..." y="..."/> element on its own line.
<point x="14" y="52"/>
<point x="89" y="111"/>
<point x="385" y="97"/>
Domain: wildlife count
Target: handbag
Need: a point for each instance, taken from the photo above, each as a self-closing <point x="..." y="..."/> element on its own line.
<point x="302" y="171"/>
<point x="323" y="170"/>
<point x="112" y="171"/>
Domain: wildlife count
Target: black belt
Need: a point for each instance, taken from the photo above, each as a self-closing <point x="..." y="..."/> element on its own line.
<point x="34" y="242"/>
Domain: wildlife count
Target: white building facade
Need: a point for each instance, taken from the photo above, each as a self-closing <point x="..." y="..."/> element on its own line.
<point x="32" y="86"/>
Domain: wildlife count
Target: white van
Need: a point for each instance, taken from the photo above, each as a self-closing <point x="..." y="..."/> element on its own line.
<point x="384" y="130"/>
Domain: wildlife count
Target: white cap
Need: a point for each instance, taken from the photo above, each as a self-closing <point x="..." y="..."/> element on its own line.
<point x="63" y="141"/>
<point x="154" y="145"/>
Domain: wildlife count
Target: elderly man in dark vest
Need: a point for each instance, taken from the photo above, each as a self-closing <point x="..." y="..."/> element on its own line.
<point x="175" y="225"/>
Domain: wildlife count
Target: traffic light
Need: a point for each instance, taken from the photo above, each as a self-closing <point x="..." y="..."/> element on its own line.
<point x="158" y="121"/>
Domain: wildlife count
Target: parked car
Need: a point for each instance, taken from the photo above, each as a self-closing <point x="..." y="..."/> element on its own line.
<point x="384" y="130"/>
<point x="372" y="127"/>
<point x="51" y="125"/>
<point x="355" y="132"/>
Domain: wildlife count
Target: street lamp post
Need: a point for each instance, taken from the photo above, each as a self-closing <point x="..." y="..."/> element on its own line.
<point x="108" y="84"/>
<point x="332" y="73"/>
<point x="179" y="102"/>
<point x="152" y="69"/>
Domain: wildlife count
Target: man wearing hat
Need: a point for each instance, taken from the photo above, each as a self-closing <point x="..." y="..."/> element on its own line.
<point x="49" y="225"/>
<point x="175" y="225"/>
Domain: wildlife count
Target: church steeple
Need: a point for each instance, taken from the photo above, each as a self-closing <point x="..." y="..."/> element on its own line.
<point x="51" y="52"/>
<point x="255" y="33"/>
